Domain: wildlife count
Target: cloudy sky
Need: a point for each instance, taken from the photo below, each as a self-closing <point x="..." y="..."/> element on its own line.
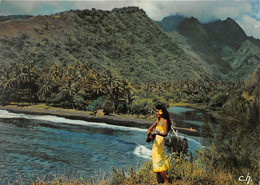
<point x="245" y="12"/>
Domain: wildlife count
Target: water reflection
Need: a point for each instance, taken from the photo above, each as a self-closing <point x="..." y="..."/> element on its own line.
<point x="190" y="121"/>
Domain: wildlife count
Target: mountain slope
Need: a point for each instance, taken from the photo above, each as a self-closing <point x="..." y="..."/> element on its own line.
<point x="227" y="32"/>
<point x="245" y="60"/>
<point x="201" y="42"/>
<point x="222" y="47"/>
<point x="170" y="23"/>
<point x="125" y="41"/>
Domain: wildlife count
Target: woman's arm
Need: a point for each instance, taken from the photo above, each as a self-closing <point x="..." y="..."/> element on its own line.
<point x="150" y="129"/>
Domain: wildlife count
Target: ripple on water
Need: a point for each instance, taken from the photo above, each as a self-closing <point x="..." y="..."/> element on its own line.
<point x="36" y="146"/>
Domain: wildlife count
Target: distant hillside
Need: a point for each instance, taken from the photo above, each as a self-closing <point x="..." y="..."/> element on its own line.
<point x="124" y="40"/>
<point x="222" y="47"/>
<point x="170" y="23"/>
<point x="12" y="17"/>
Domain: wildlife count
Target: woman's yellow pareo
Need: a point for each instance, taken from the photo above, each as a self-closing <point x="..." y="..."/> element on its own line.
<point x="158" y="152"/>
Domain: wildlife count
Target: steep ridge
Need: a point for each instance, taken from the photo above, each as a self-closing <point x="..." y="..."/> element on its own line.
<point x="222" y="47"/>
<point x="170" y="23"/>
<point x="203" y="43"/>
<point x="125" y="40"/>
<point x="227" y="32"/>
<point x="245" y="60"/>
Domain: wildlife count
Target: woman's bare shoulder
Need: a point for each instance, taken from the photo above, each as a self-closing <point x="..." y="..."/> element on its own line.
<point x="163" y="120"/>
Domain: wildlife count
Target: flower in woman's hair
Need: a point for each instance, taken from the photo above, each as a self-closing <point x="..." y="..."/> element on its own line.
<point x="160" y="111"/>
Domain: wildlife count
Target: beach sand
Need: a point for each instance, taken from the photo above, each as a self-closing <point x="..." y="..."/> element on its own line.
<point x="79" y="115"/>
<point x="89" y="116"/>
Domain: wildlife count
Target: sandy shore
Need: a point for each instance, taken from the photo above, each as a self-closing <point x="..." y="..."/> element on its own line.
<point x="86" y="116"/>
<point x="79" y="115"/>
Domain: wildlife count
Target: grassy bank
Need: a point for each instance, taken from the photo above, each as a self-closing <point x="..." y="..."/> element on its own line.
<point x="181" y="171"/>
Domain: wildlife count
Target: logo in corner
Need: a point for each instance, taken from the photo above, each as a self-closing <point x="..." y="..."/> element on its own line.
<point x="243" y="179"/>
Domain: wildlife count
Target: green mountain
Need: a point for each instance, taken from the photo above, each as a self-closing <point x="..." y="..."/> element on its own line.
<point x="170" y="23"/>
<point x="125" y="41"/>
<point x="222" y="47"/>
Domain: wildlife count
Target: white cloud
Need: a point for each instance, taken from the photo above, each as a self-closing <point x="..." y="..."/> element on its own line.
<point x="258" y="15"/>
<point x="225" y="10"/>
<point x="206" y="11"/>
<point x="203" y="10"/>
<point x="250" y="26"/>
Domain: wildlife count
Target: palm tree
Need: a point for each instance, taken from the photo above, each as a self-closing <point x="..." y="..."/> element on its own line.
<point x="6" y="83"/>
<point x="129" y="98"/>
<point x="26" y="78"/>
<point x="26" y="74"/>
<point x="69" y="89"/>
<point x="114" y="87"/>
<point x="45" y="83"/>
<point x="100" y="87"/>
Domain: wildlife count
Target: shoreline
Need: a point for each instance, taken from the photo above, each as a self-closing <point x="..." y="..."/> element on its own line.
<point x="79" y="115"/>
<point x="87" y="116"/>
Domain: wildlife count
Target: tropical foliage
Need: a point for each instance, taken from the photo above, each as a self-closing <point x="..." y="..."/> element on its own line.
<point x="105" y="60"/>
<point x="222" y="47"/>
<point x="125" y="41"/>
<point x="234" y="146"/>
<point x="78" y="86"/>
<point x="182" y="171"/>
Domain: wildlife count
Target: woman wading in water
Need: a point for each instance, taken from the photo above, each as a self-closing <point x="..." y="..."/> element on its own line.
<point x="157" y="132"/>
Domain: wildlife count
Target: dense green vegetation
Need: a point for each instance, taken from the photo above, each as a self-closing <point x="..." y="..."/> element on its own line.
<point x="125" y="41"/>
<point x="81" y="87"/>
<point x="222" y="47"/>
<point x="233" y="149"/>
<point x="106" y="60"/>
<point x="181" y="171"/>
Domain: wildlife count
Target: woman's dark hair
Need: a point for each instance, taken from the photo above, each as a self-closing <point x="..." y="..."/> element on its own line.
<point x="165" y="115"/>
